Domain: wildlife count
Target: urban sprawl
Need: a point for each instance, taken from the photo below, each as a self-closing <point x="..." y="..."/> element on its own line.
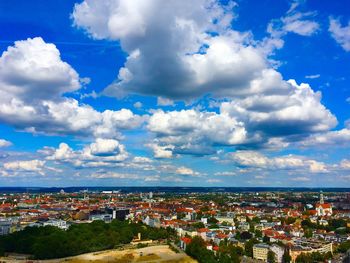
<point x="285" y="226"/>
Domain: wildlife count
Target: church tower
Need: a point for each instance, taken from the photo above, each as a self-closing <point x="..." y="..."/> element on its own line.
<point x="321" y="198"/>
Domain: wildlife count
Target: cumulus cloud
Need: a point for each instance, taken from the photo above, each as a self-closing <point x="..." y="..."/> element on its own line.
<point x="194" y="132"/>
<point x="190" y="61"/>
<point x="4" y="143"/>
<point x="23" y="167"/>
<point x="33" y="81"/>
<point x="35" y="67"/>
<point x="140" y="159"/>
<point x="165" y="151"/>
<point x="172" y="56"/>
<point x="259" y="160"/>
<point x="330" y="138"/>
<point x="340" y="33"/>
<point x="138" y="105"/>
<point x="164" y="102"/>
<point x="186" y="171"/>
<point x="261" y="120"/>
<point x="101" y="153"/>
<point x="105" y="147"/>
<point x="296" y="112"/>
<point x="345" y="164"/>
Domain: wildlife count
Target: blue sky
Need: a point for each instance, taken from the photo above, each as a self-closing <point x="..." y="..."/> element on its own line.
<point x="188" y="93"/>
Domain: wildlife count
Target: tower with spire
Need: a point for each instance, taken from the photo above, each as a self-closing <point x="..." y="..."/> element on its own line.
<point x="321" y="198"/>
<point x="322" y="208"/>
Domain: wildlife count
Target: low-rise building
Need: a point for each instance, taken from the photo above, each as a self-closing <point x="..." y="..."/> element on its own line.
<point x="260" y="251"/>
<point x="278" y="251"/>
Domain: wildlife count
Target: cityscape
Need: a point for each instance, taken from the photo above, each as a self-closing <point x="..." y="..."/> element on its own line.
<point x="174" y="131"/>
<point x="217" y="226"/>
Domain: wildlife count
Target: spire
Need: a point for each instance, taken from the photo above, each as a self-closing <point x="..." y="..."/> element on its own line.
<point x="321" y="198"/>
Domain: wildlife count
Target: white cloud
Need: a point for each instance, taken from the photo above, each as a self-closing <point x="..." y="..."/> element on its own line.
<point x="164" y="102"/>
<point x="213" y="181"/>
<point x="165" y="151"/>
<point x="315" y="76"/>
<point x="341" y="138"/>
<point x="139" y="159"/>
<point x="340" y="33"/>
<point x="138" y="105"/>
<point x="101" y="153"/>
<point x="105" y="147"/>
<point x="35" y="67"/>
<point x="31" y="166"/>
<point x="259" y="160"/>
<point x="191" y="131"/>
<point x="294" y="21"/>
<point x="299" y="23"/>
<point x="152" y="178"/>
<point x="295" y="112"/>
<point x="186" y="171"/>
<point x="301" y="179"/>
<point x="33" y="80"/>
<point x="190" y="62"/>
<point x="261" y="107"/>
<point x="345" y="164"/>
<point x="260" y="120"/>
<point x="172" y="179"/>
<point x="226" y="173"/>
<point x="113" y="175"/>
<point x="4" y="143"/>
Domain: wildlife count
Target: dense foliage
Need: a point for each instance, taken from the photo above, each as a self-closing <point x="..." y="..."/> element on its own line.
<point x="313" y="257"/>
<point x="52" y="242"/>
<point x="344" y="247"/>
<point x="227" y="253"/>
<point x="198" y="250"/>
<point x="333" y="225"/>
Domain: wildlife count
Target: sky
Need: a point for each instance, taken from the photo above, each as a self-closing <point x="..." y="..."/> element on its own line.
<point x="175" y="93"/>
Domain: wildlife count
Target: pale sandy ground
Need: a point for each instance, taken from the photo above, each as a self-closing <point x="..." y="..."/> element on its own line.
<point x="150" y="254"/>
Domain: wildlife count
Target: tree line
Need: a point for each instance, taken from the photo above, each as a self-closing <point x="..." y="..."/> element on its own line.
<point x="51" y="242"/>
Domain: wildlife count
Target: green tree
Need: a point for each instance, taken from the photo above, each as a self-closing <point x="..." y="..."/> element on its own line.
<point x="271" y="257"/>
<point x="343" y="247"/>
<point x="248" y="247"/>
<point x="286" y="257"/>
<point x="198" y="250"/>
<point x="266" y="239"/>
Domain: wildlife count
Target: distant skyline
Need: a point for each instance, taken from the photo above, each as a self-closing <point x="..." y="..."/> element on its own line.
<point x="175" y="93"/>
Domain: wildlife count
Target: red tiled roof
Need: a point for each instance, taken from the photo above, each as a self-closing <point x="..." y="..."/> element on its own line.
<point x="186" y="240"/>
<point x="203" y="230"/>
<point x="324" y="206"/>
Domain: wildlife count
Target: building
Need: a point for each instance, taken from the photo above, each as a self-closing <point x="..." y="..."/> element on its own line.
<point x="107" y="218"/>
<point x="118" y="213"/>
<point x="310" y="246"/>
<point x="322" y="208"/>
<point x="184" y="241"/>
<point x="5" y="227"/>
<point x="57" y="223"/>
<point x="278" y="251"/>
<point x="260" y="251"/>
